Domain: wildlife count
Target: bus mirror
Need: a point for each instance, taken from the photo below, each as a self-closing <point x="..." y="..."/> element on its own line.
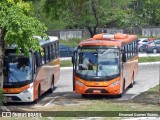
<point x="124" y="57"/>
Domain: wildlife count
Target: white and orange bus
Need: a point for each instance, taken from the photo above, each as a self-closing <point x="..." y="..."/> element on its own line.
<point x="105" y="64"/>
<point x="27" y="78"/>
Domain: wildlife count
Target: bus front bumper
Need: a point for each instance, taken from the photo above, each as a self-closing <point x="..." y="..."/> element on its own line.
<point x="105" y="90"/>
<point x="25" y="96"/>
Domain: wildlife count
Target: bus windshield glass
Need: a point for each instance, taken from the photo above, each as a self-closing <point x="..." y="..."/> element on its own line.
<point x="98" y="63"/>
<point x="18" y="69"/>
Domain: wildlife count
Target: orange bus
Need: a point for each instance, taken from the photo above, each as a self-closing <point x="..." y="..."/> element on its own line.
<point x="27" y="78"/>
<point x="105" y="64"/>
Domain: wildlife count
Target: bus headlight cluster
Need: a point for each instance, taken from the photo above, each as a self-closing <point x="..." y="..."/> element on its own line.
<point x="25" y="91"/>
<point x="79" y="83"/>
<point x="114" y="84"/>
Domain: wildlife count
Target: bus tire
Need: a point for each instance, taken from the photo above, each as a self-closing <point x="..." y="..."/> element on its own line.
<point x="132" y="82"/>
<point x="84" y="95"/>
<point x="39" y="91"/>
<point x="52" y="86"/>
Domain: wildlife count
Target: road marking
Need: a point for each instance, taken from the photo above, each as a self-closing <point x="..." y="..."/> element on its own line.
<point x="47" y="103"/>
<point x="4" y="108"/>
<point x="50" y="102"/>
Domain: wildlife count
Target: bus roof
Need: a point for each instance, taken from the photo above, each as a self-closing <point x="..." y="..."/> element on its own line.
<point x="108" y="39"/>
<point x="42" y="41"/>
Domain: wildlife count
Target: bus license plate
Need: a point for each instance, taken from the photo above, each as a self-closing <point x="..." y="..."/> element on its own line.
<point x="96" y="91"/>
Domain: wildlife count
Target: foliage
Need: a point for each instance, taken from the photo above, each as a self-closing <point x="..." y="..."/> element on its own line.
<point x="149" y="59"/>
<point x="19" y="25"/>
<point x="148" y="11"/>
<point x="90" y="14"/>
<point x="61" y="14"/>
<point x="47" y="19"/>
<point x="2" y="97"/>
<point x="65" y="63"/>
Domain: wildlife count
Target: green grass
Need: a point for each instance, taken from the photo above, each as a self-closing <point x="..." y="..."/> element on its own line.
<point x="2" y="97"/>
<point x="152" y="96"/>
<point x="149" y="59"/>
<point x="65" y="63"/>
<point x="147" y="101"/>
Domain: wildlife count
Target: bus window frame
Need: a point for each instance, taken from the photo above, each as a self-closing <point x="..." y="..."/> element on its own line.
<point x="95" y="78"/>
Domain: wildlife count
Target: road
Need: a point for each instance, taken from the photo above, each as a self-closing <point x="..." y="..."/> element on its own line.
<point x="63" y="94"/>
<point x="148" y="77"/>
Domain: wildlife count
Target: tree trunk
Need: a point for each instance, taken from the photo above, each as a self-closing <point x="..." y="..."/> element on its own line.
<point x="2" y="32"/>
<point x="90" y="31"/>
<point x="93" y="30"/>
<point x="94" y="4"/>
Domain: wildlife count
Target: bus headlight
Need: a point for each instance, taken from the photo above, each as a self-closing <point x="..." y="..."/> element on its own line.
<point x="79" y="83"/>
<point x="114" y="84"/>
<point x="25" y="91"/>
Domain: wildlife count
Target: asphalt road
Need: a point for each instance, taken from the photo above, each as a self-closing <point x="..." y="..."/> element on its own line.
<point x="63" y="94"/>
<point x="148" y="77"/>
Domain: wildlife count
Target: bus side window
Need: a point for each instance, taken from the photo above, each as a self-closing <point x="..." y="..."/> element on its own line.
<point x="57" y="49"/>
<point x="54" y="51"/>
<point x="44" y="56"/>
<point x="124" y="54"/>
<point x="51" y="51"/>
<point x="48" y="53"/>
<point x="58" y="52"/>
<point x="38" y="60"/>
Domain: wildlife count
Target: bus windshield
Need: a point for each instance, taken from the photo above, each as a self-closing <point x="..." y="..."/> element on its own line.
<point x="98" y="63"/>
<point x="18" y="69"/>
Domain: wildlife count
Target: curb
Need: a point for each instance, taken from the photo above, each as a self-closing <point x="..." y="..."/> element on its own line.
<point x="65" y="68"/>
<point x="149" y="63"/>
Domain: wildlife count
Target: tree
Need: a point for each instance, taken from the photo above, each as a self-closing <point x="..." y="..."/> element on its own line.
<point x="17" y="26"/>
<point x="90" y="14"/>
<point x="148" y="11"/>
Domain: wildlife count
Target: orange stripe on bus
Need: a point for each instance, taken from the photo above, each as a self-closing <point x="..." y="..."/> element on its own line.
<point x="15" y="90"/>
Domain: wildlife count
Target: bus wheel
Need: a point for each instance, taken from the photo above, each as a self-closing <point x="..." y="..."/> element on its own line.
<point x="84" y="95"/>
<point x="39" y="91"/>
<point x="52" y="87"/>
<point x="131" y="85"/>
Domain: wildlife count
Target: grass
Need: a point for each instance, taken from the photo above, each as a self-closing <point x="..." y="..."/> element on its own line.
<point x="147" y="101"/>
<point x="2" y="97"/>
<point x="66" y="63"/>
<point x="149" y="59"/>
<point x="152" y="96"/>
